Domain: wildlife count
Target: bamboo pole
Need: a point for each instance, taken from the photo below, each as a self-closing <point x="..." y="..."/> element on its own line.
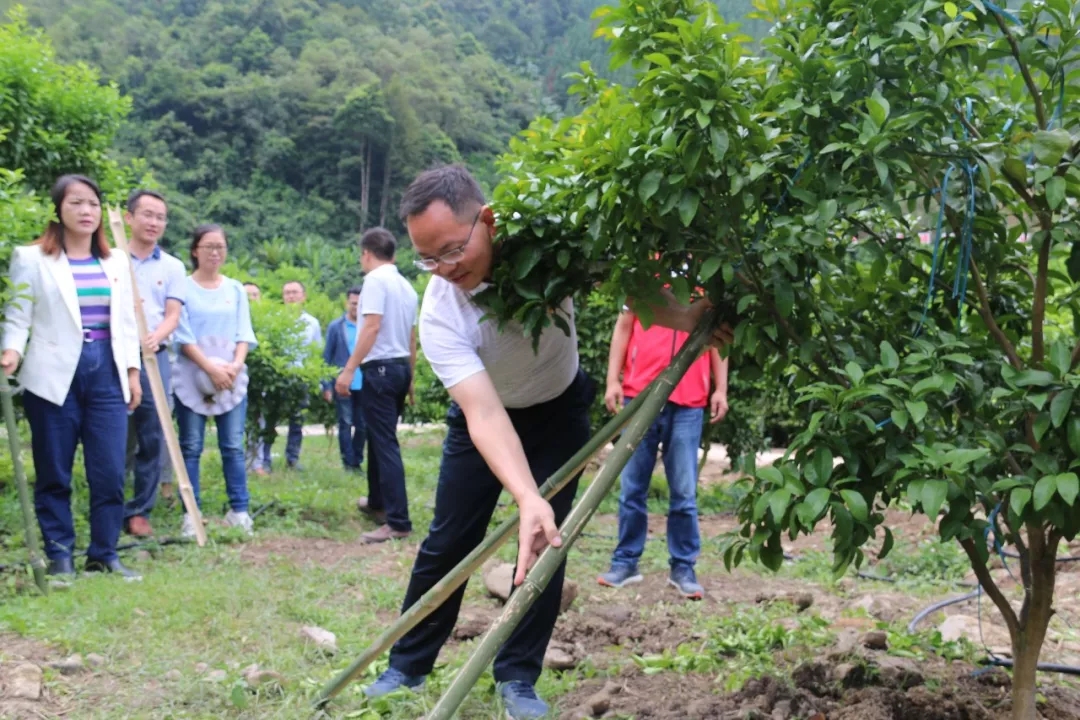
<point x="435" y="597"/>
<point x="37" y="562"/>
<point x="157" y="387"/>
<point x="540" y="575"/>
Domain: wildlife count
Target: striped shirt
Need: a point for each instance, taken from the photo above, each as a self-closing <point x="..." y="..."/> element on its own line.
<point x="93" y="290"/>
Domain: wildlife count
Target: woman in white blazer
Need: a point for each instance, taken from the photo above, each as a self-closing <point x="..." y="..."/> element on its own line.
<point x="72" y="323"/>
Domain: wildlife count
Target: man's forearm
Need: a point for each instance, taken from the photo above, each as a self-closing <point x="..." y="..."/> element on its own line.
<point x="364" y="343"/>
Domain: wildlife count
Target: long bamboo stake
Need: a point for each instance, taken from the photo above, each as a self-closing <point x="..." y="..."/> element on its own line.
<point x="157" y="387"/>
<point x="33" y="549"/>
<point x="540" y="575"/>
<point x="437" y="595"/>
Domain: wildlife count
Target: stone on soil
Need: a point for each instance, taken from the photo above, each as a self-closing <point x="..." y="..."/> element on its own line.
<point x="24" y="682"/>
<point x="875" y="640"/>
<point x="499" y="580"/>
<point x="69" y="665"/>
<point x="323" y="639"/>
<point x="95" y="660"/>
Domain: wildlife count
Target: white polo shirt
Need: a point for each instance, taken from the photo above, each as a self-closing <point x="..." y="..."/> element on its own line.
<point x="389" y="294"/>
<point x="458" y="345"/>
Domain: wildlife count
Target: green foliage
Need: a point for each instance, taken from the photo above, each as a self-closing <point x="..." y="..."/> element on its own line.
<point x="283" y="372"/>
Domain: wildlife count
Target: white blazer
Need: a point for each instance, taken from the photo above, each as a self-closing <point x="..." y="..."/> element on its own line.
<point x="43" y="323"/>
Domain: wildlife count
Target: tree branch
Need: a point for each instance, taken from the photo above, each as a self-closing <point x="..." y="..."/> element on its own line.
<point x="1038" y="305"/>
<point x="1036" y="95"/>
<point x="1075" y="355"/>
<point x="991" y="588"/>
<point x="988" y="318"/>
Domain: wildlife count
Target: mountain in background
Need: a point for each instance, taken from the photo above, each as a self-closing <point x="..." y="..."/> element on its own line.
<point x="293" y="119"/>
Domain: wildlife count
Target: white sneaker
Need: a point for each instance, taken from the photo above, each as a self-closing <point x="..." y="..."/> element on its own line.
<point x="241" y="520"/>
<point x="187" y="530"/>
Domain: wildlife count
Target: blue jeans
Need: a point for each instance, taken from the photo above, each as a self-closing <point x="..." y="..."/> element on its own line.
<point x="92" y="411"/>
<point x="678" y="429"/>
<point x="351" y="429"/>
<point x="465" y="499"/>
<point x="147" y="454"/>
<point x="386" y="385"/>
<point x="230" y="427"/>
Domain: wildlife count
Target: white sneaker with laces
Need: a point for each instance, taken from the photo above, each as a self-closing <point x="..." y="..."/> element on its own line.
<point x="187" y="530"/>
<point x="241" y="520"/>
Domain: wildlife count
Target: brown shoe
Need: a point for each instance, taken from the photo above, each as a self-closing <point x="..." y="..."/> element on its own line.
<point x="139" y="527"/>
<point x="261" y="472"/>
<point x="378" y="516"/>
<point x="384" y="533"/>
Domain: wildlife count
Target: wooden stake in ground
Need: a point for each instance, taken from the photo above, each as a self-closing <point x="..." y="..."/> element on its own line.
<point x="37" y="562"/>
<point x="161" y="400"/>
<point x="538" y="578"/>
<point x="437" y="595"/>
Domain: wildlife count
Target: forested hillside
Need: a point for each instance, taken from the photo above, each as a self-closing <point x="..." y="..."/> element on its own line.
<point x="295" y="119"/>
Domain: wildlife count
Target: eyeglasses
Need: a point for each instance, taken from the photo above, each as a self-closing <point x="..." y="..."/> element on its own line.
<point x="450" y="257"/>
<point x="220" y="249"/>
<point x="147" y="215"/>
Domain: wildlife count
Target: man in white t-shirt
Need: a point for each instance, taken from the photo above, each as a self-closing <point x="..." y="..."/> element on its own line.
<point x="386" y="352"/>
<point x="516" y="415"/>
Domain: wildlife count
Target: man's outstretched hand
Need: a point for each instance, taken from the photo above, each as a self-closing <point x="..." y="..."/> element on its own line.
<point x="536" y="532"/>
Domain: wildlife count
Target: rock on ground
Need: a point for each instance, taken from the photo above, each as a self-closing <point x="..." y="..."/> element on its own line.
<point x="499" y="581"/>
<point x="323" y="639"/>
<point x="24" y="682"/>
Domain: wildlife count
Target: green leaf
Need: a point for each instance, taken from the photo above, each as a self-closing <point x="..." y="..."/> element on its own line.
<point x="719" y="139"/>
<point x="814" y="503"/>
<point x="886" y="545"/>
<point x="823" y="465"/>
<point x="1040" y="426"/>
<point x="951" y="10"/>
<point x="854" y="372"/>
<point x="1051" y="145"/>
<point x="827" y="211"/>
<point x="1016" y="169"/>
<point x="1060" y="406"/>
<point x="878" y="107"/>
<point x="703" y="120"/>
<point x="1073" y="432"/>
<point x="900" y="418"/>
<point x="917" y="409"/>
<point x="529" y="257"/>
<point x="1060" y="357"/>
<point x="785" y="297"/>
<point x="889" y="358"/>
<point x="771" y="475"/>
<point x="856" y="503"/>
<point x="239" y="697"/>
<point x="926" y="385"/>
<point x="1044" y="491"/>
<point x="1033" y="378"/>
<point x="659" y="59"/>
<point x="649" y="185"/>
<point x="1018" y="500"/>
<point x="709" y="267"/>
<point x="1055" y="192"/>
<point x="1068" y="487"/>
<point x="933" y="496"/>
<point x="778" y="503"/>
<point x="563" y="258"/>
<point x="688" y="207"/>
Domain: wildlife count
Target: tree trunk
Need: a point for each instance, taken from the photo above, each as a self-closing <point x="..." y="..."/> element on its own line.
<point x="1034" y="621"/>
<point x="384" y="196"/>
<point x="365" y="183"/>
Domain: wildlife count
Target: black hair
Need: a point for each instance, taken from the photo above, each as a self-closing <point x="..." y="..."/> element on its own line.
<point x="138" y="194"/>
<point x="354" y="290"/>
<point x="380" y="242"/>
<point x="452" y="184"/>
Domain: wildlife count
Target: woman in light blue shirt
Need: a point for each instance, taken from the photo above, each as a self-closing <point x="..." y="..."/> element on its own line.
<point x="214" y="337"/>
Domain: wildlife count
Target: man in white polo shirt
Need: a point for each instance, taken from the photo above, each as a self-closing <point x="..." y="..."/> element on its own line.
<point x="516" y="415"/>
<point x="160" y="278"/>
<point x="385" y="351"/>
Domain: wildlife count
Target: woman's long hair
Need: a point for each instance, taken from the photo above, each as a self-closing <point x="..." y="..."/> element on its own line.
<point x="52" y="240"/>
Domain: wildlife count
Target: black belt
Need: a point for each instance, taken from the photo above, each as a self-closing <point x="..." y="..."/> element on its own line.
<point x="161" y="348"/>
<point x="388" y="361"/>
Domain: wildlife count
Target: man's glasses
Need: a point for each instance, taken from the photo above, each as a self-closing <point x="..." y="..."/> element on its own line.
<point x="450" y="257"/>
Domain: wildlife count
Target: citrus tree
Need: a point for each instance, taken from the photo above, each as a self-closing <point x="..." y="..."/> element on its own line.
<point x="793" y="187"/>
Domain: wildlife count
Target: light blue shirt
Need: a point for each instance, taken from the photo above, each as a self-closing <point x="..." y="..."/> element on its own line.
<point x="389" y="294"/>
<point x="159" y="277"/>
<point x="312" y="334"/>
<point x="350" y="340"/>
<point x="222" y="312"/>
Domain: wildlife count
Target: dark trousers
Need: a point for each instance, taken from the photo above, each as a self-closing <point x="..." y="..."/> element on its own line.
<point x="352" y="432"/>
<point x="465" y="499"/>
<point x="95" y="414"/>
<point x="147" y="454"/>
<point x="295" y="437"/>
<point x="386" y="385"/>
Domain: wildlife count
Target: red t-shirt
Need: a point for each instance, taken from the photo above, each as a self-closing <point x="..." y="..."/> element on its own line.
<point x="650" y="352"/>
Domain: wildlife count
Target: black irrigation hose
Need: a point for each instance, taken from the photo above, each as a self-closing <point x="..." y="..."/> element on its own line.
<point x="938" y="606"/>
<point x="1041" y="667"/>
<point x="119" y="548"/>
<point x="1066" y="559"/>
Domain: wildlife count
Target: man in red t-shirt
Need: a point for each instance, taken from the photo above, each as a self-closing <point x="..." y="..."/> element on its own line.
<point x="640" y="355"/>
